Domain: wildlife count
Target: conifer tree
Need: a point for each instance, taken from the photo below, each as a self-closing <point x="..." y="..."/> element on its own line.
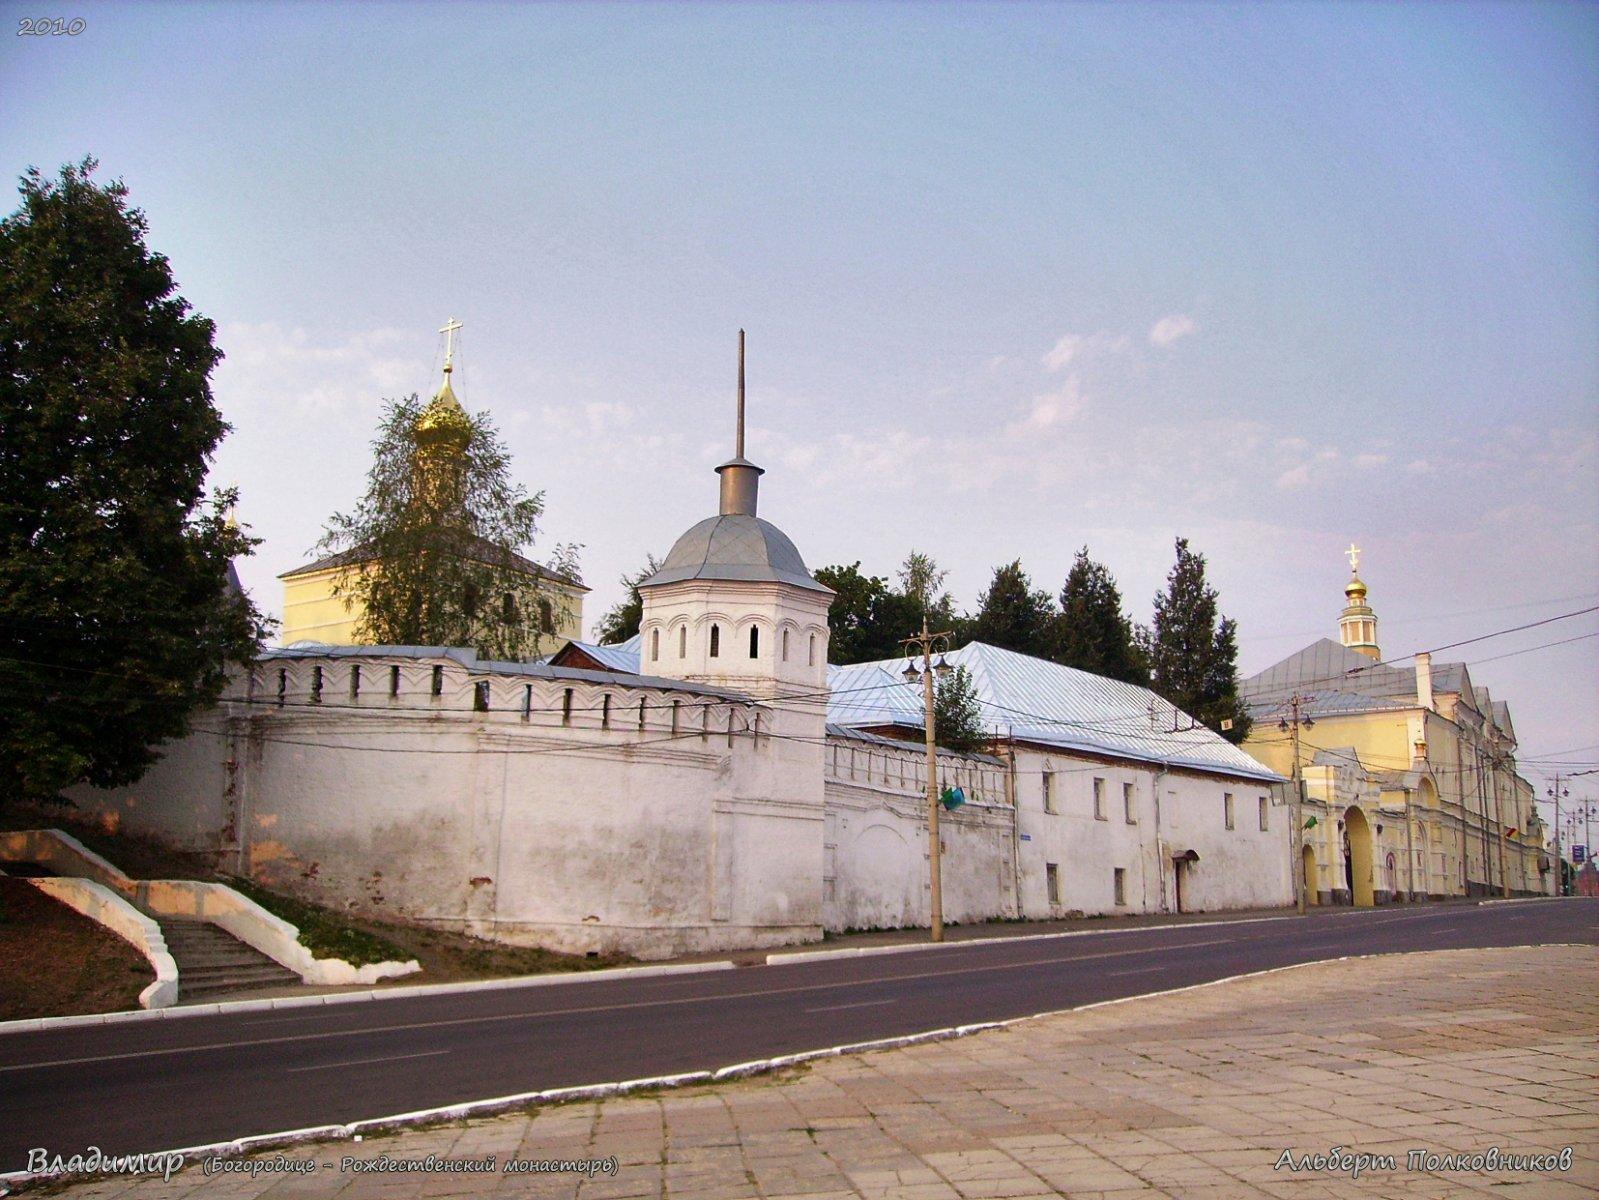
<point x="1013" y="614"/>
<point x="116" y="616"/>
<point x="868" y="618"/>
<point x="1092" y="633"/>
<point x="1193" y="650"/>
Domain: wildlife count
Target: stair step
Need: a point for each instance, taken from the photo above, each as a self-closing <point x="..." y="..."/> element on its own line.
<point x="211" y="961"/>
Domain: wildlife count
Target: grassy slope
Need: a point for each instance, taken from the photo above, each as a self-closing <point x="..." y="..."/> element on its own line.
<point x="326" y="932"/>
<point x="55" y="962"/>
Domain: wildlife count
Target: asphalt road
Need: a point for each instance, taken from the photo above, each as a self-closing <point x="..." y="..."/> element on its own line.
<point x="161" y="1085"/>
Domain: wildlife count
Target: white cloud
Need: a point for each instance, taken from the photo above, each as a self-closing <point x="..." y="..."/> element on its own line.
<point x="1050" y="409"/>
<point x="1368" y="462"/>
<point x="1294" y="478"/>
<point x="1074" y="347"/>
<point x="1168" y="329"/>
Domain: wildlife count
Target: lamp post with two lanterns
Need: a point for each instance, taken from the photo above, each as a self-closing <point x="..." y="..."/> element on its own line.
<point x="926" y="644"/>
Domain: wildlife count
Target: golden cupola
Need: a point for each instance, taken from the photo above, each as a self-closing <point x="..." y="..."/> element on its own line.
<point x="1357" y="625"/>
<point x="443" y="433"/>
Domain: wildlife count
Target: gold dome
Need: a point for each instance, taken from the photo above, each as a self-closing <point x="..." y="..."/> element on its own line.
<point x="444" y="423"/>
<point x="1355" y="588"/>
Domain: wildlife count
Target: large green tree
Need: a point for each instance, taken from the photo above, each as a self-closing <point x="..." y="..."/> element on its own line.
<point x="1092" y="632"/>
<point x="1193" y="649"/>
<point x="438" y="535"/>
<point x="868" y="618"/>
<point x="1013" y="614"/>
<point x="116" y="616"/>
<point x="627" y="614"/>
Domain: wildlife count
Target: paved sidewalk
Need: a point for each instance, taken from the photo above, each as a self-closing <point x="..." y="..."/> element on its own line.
<point x="1192" y="1095"/>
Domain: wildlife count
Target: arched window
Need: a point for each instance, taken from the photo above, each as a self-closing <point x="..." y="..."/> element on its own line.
<point x="811" y="659"/>
<point x="655" y="645"/>
<point x="716" y="641"/>
<point x="469" y="601"/>
<point x="546" y="617"/>
<point x="508" y="608"/>
<point x="755" y="641"/>
<point x="682" y="641"/>
<point x="785" y="645"/>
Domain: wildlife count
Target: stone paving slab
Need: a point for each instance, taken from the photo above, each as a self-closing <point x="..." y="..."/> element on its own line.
<point x="1194" y="1095"/>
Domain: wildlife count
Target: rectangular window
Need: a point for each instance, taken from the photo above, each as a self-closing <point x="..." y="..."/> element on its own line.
<point x="1127" y="803"/>
<point x="1265" y="809"/>
<point x="1227" y="808"/>
<point x="480" y="696"/>
<point x="1049" y="792"/>
<point x="1099" y="800"/>
<point x="1120" y="883"/>
<point x="605" y="711"/>
<point x="527" y="701"/>
<point x="355" y="682"/>
<point x="394" y="681"/>
<point x="316" y="685"/>
<point x="1052" y="882"/>
<point x="566" y="707"/>
<point x="438" y="681"/>
<point x="283" y="686"/>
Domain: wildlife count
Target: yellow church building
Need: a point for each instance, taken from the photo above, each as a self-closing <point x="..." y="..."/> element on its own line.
<point x="1410" y="782"/>
<point x="317" y="604"/>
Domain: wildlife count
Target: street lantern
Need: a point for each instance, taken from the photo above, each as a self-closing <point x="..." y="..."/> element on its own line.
<point x="943" y="668"/>
<point x="912" y="675"/>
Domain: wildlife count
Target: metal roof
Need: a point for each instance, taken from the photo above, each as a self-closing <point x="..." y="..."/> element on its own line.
<point x="477" y="548"/>
<point x="888" y="743"/>
<point x="1031" y="700"/>
<point x="739" y="547"/>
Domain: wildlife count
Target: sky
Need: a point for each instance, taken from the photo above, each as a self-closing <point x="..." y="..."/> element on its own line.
<point x="1016" y="279"/>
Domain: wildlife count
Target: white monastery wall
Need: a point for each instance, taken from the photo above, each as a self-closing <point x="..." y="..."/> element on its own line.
<point x="876" y="843"/>
<point x="568" y="825"/>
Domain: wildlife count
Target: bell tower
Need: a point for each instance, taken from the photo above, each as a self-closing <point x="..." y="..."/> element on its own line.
<point x="1357" y="625"/>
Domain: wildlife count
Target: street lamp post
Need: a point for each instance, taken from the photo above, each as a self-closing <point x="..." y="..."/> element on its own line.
<point x="925" y="643"/>
<point x="1295" y="703"/>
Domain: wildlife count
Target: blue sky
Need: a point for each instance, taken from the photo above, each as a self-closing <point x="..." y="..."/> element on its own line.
<point x="1016" y="278"/>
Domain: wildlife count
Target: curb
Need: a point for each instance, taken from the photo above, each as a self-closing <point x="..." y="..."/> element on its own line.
<point x="802" y="956"/>
<point x="482" y="1108"/>
<point x="35" y="1024"/>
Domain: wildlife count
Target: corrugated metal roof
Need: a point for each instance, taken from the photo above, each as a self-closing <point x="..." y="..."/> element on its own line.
<point x="1032" y="700"/>
<point x="735" y="546"/>
<point x="888" y="743"/>
<point x="623" y="656"/>
<point x="480" y="549"/>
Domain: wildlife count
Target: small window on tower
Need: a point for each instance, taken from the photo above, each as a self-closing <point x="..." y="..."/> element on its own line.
<point x="716" y="641"/>
<point x="810" y="659"/>
<point x="655" y="645"/>
<point x="682" y="641"/>
<point x="785" y="645"/>
<point x="755" y="641"/>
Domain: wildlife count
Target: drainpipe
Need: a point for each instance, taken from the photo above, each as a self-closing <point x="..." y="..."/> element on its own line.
<point x="1410" y="854"/>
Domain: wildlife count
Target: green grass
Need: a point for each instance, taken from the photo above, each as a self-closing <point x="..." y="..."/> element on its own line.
<point x="321" y="931"/>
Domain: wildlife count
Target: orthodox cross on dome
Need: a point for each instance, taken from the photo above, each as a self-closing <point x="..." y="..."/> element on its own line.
<point x="1353" y="555"/>
<point x="449" y="331"/>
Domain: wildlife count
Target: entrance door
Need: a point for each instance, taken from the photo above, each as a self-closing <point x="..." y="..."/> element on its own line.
<point x="1357" y="857"/>
<point x="1312" y="883"/>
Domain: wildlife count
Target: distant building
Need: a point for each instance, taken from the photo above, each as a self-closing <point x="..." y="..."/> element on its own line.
<point x="1410" y="771"/>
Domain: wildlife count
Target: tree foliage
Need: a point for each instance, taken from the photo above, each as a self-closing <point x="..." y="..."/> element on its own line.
<point x="627" y="615"/>
<point x="116" y="621"/>
<point x="1092" y="632"/>
<point x="1013" y="614"/>
<point x="440" y="564"/>
<point x="921" y="581"/>
<point x="1193" y="650"/>
<point x="868" y="618"/>
<point x="958" y="714"/>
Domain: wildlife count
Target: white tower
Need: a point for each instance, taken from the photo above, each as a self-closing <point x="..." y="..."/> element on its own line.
<point x="733" y="605"/>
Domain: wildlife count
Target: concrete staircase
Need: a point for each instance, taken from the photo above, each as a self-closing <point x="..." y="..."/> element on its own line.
<point x="212" y="962"/>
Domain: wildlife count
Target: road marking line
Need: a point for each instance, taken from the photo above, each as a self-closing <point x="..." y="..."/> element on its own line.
<point x="857" y="1004"/>
<point x="594" y="1008"/>
<point x="361" y="1062"/>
